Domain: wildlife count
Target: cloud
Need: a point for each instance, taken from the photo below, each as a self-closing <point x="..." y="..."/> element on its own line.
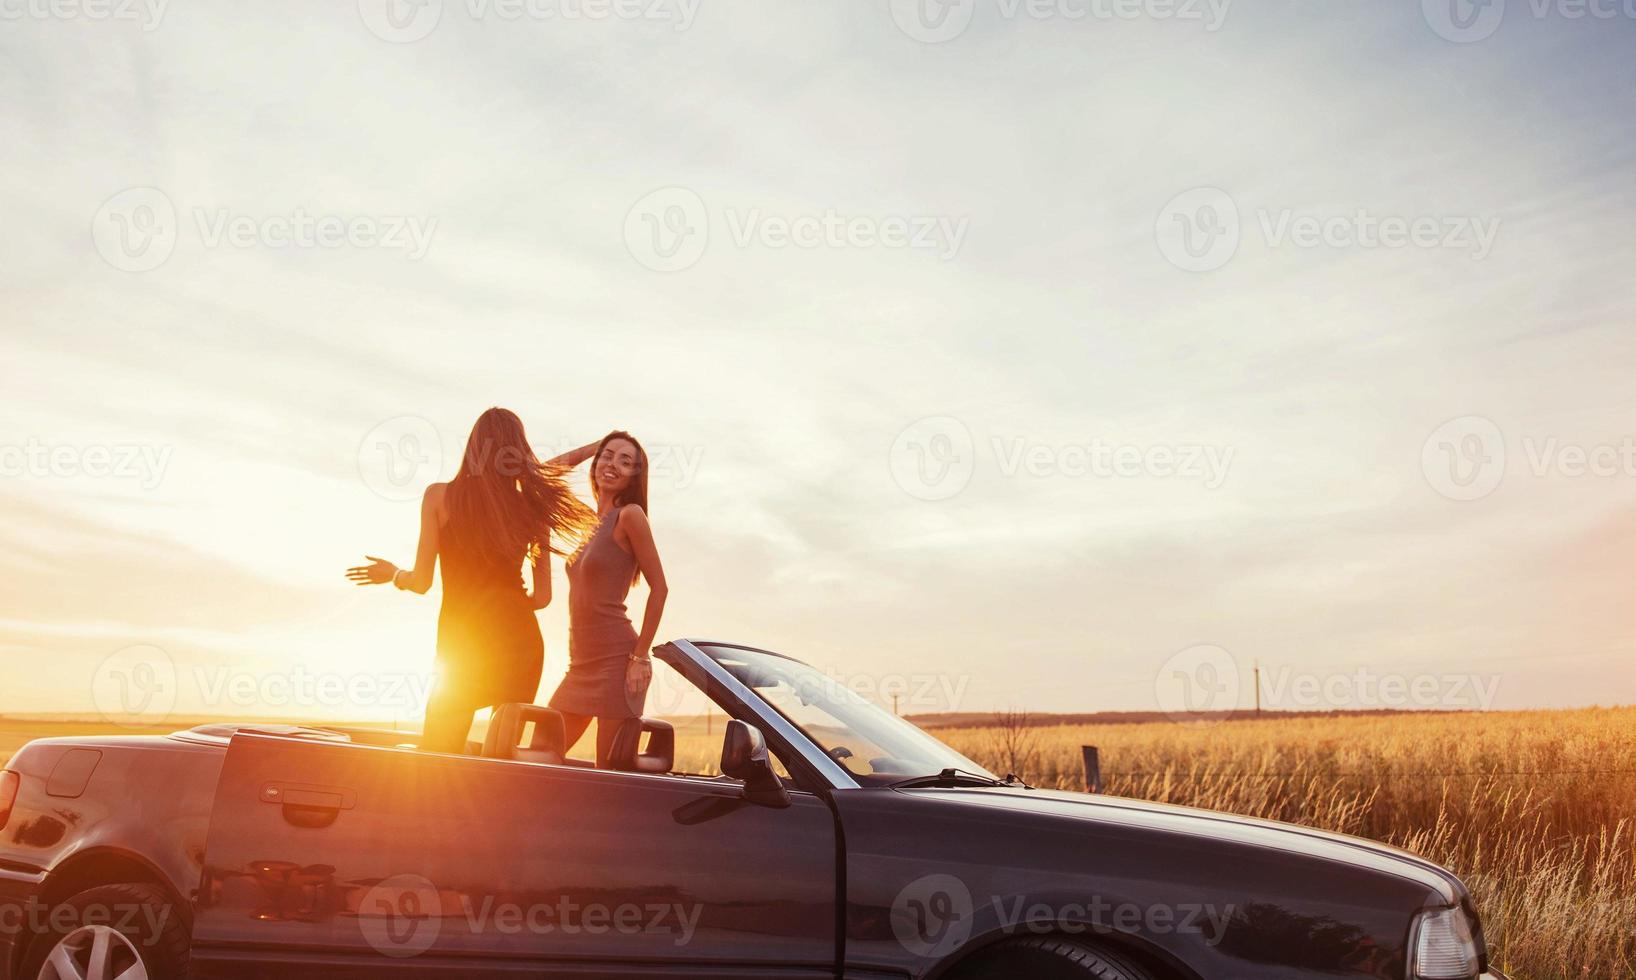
<point x="787" y="372"/>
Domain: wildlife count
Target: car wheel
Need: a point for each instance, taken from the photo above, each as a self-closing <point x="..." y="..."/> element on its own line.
<point x="1051" y="958"/>
<point x="114" y="932"/>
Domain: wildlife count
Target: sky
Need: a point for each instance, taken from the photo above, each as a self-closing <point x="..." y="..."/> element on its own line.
<point x="1065" y="355"/>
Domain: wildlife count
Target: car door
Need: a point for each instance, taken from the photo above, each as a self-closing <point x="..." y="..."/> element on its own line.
<point x="350" y="860"/>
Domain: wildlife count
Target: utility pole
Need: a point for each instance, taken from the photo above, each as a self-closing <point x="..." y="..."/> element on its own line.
<point x="1258" y="688"/>
<point x="895" y="706"/>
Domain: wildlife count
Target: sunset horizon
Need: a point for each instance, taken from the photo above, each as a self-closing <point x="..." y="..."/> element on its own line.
<point x="1030" y="408"/>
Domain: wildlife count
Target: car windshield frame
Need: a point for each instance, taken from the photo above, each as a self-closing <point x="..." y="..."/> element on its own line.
<point x="921" y="753"/>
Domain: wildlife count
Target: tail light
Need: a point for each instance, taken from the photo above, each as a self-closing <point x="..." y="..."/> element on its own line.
<point x="1443" y="947"/>
<point x="9" y="782"/>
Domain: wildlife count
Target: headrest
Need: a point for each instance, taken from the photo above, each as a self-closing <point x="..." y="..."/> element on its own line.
<point x="660" y="756"/>
<point x="506" y="730"/>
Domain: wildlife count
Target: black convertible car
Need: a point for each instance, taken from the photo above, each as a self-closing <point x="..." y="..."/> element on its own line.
<point x="836" y="840"/>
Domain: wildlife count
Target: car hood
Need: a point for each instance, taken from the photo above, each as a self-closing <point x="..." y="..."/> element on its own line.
<point x="1251" y="831"/>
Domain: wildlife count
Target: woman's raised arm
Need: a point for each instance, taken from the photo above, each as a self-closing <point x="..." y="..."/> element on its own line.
<point x="573" y="457"/>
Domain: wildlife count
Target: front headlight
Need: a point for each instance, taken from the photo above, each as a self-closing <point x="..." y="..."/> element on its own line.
<point x="1442" y="947"/>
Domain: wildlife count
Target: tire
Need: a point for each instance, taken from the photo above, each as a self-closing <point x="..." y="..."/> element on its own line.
<point x="138" y="931"/>
<point x="1050" y="958"/>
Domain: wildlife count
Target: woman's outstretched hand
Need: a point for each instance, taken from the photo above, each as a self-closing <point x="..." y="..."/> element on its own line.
<point x="379" y="571"/>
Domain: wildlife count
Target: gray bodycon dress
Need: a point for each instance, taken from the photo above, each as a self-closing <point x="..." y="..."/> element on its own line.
<point x="600" y="636"/>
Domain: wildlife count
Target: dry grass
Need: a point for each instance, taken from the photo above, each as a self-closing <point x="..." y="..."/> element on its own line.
<point x="1536" y="811"/>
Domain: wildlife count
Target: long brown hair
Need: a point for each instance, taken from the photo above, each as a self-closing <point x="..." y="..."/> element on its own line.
<point x="636" y="491"/>
<point x="515" y="505"/>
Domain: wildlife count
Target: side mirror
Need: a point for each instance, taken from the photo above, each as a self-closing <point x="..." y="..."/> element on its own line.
<point x="744" y="757"/>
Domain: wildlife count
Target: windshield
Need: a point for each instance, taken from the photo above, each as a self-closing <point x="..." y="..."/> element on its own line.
<point x="873" y="744"/>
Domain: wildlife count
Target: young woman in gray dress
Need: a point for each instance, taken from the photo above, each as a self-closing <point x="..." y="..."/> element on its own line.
<point x="609" y="662"/>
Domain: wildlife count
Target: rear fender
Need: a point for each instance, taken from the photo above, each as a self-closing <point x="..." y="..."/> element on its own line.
<point x="144" y="811"/>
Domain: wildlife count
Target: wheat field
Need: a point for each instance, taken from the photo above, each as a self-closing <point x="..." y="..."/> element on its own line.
<point x="1536" y="811"/>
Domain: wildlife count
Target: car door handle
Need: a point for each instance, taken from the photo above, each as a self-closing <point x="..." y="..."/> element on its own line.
<point x="309" y="806"/>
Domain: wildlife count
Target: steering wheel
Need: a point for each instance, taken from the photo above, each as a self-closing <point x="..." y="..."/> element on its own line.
<point x="840" y="752"/>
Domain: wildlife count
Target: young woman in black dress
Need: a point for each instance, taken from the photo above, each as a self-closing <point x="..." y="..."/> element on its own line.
<point x="503" y="508"/>
<point x="609" y="663"/>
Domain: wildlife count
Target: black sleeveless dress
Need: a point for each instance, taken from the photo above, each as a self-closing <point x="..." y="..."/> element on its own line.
<point x="489" y="649"/>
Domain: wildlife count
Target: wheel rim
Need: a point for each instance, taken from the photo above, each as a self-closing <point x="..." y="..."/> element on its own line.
<point x="93" y="953"/>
